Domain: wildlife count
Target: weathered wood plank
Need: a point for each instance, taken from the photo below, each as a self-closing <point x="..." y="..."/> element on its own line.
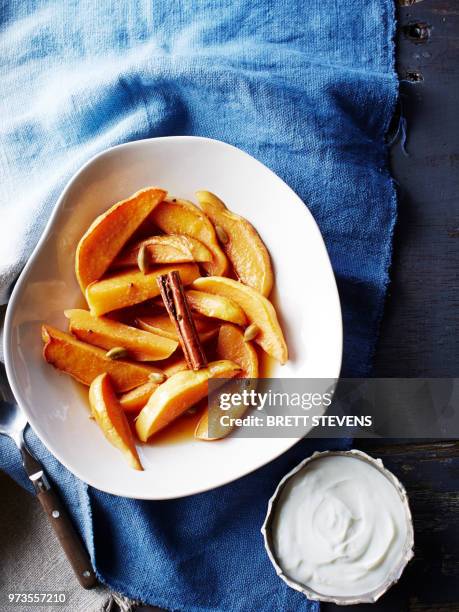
<point x="420" y="331"/>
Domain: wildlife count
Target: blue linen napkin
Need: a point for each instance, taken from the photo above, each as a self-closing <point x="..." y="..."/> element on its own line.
<point x="309" y="88"/>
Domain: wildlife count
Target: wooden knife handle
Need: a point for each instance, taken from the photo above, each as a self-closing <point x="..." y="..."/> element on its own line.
<point x="68" y="537"/>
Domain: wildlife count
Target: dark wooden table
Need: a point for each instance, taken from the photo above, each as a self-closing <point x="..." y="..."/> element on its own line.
<point x="420" y="331"/>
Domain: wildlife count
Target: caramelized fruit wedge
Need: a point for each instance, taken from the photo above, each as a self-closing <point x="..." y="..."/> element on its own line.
<point x="216" y="306"/>
<point x="100" y="331"/>
<point x="164" y="250"/>
<point x="183" y="217"/>
<point x="110" y="417"/>
<point x="161" y="324"/>
<point x="258" y="309"/>
<point x="171" y="367"/>
<point x="177" y="394"/>
<point x="134" y="400"/>
<point x="85" y="362"/>
<point x="132" y="287"/>
<point x="242" y="244"/>
<point x="108" y="234"/>
<point x="230" y="345"/>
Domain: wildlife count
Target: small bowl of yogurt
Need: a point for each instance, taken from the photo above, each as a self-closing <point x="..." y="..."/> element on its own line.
<point x="339" y="528"/>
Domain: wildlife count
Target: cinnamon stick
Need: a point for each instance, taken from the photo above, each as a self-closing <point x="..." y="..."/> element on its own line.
<point x="176" y="303"/>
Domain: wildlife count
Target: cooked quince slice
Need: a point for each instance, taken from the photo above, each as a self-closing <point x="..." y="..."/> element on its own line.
<point x="242" y="244"/>
<point x="101" y="331"/>
<point x="177" y="394"/>
<point x="164" y="250"/>
<point x="230" y="345"/>
<point x="108" y="234"/>
<point x="132" y="287"/>
<point x="216" y="306"/>
<point x="110" y="417"/>
<point x="134" y="400"/>
<point x="85" y="362"/>
<point x="183" y="217"/>
<point x="162" y="325"/>
<point x="258" y="309"/>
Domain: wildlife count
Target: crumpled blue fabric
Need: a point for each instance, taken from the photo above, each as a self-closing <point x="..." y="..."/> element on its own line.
<point x="306" y="86"/>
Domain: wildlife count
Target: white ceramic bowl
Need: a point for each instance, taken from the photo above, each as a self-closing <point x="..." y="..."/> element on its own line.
<point x="305" y="292"/>
<point x="407" y="552"/>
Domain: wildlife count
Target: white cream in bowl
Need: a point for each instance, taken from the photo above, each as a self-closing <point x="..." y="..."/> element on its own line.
<point x="340" y="528"/>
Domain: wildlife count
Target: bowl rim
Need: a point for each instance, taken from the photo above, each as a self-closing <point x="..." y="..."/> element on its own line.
<point x="24" y="275"/>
